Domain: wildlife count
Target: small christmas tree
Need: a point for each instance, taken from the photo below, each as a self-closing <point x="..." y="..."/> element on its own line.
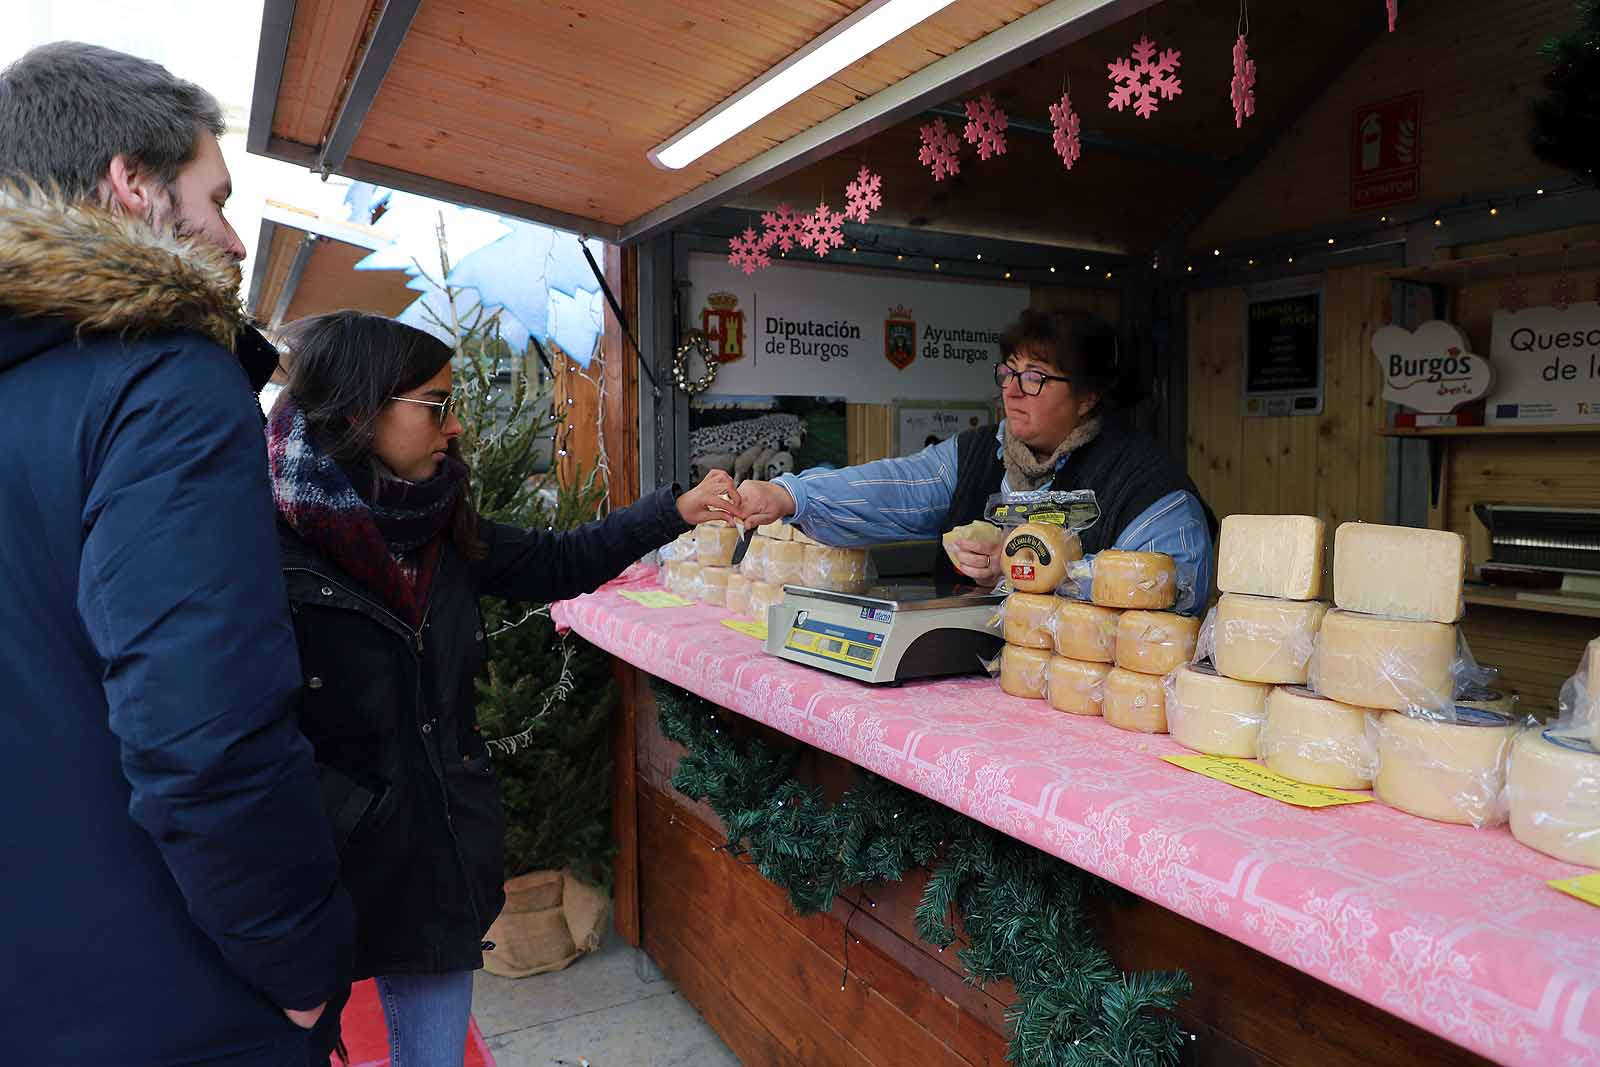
<point x="1565" y="127"/>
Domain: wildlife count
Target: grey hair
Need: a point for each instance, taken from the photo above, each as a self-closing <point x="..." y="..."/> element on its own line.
<point x="67" y="109"/>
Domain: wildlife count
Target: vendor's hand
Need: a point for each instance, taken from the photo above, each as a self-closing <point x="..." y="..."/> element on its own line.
<point x="306" y="1019"/>
<point x="714" y="498"/>
<point x="765" y="502"/>
<point x="980" y="561"/>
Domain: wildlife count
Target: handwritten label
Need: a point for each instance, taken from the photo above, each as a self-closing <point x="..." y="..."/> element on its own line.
<point x="656" y="598"/>
<point x="757" y="630"/>
<point x="1248" y="774"/>
<point x="1585" y="887"/>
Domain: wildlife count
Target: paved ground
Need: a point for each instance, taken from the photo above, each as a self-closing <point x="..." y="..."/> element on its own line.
<point x="611" y="1009"/>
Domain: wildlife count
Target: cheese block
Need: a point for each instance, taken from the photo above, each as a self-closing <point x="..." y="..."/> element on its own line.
<point x="713" y="586"/>
<point x="1445" y="771"/>
<point x="1024" y="671"/>
<point x="776" y="531"/>
<point x="1263" y="639"/>
<point x="1075" y="686"/>
<point x="797" y="534"/>
<point x="737" y="598"/>
<point x="1271" y="555"/>
<point x="1086" y="631"/>
<point x="754" y="564"/>
<point x="680" y="548"/>
<point x="1312" y="739"/>
<point x="1134" y="701"/>
<point x="1144" y="580"/>
<point x="1155" y="642"/>
<point x="1484" y="699"/>
<point x="714" y="544"/>
<point x="667" y="576"/>
<point x="688" y="580"/>
<point x="1394" y="664"/>
<point x="1027" y="619"/>
<point x="784" y="562"/>
<point x="1213" y="714"/>
<point x="980" y="530"/>
<point x="1035" y="557"/>
<point x="1399" y="571"/>
<point x="842" y="570"/>
<point x="1553" y="786"/>
<point x="763" y="595"/>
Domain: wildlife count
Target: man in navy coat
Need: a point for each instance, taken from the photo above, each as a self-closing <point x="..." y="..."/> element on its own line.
<point x="169" y="879"/>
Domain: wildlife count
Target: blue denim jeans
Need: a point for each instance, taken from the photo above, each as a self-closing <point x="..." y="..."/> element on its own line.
<point x="427" y="1016"/>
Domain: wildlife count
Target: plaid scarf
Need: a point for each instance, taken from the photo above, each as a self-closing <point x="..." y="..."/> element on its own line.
<point x="383" y="532"/>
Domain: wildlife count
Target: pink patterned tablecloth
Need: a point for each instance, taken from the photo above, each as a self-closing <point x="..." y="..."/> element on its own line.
<point x="1449" y="927"/>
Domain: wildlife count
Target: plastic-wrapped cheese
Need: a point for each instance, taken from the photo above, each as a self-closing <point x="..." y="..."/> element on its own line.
<point x="737" y="599"/>
<point x="1023" y="671"/>
<point x="754" y="564"/>
<point x="1399" y="571"/>
<point x="714" y="544"/>
<point x="688" y="580"/>
<point x="784" y="562"/>
<point x="1144" y="580"/>
<point x="1393" y="664"/>
<point x="776" y="531"/>
<point x="1271" y="555"/>
<point x="797" y="534"/>
<point x="1591" y="669"/>
<point x="842" y="570"/>
<point x="714" y="585"/>
<point x="1086" y="631"/>
<point x="1445" y="771"/>
<point x="1035" y="557"/>
<point x="1312" y="739"/>
<point x="1213" y="714"/>
<point x="763" y="595"/>
<point x="980" y="530"/>
<point x="1477" y="696"/>
<point x="1075" y="686"/>
<point x="1553" y="785"/>
<point x="1027" y="619"/>
<point x="1263" y="639"/>
<point x="1155" y="642"/>
<point x="1134" y="701"/>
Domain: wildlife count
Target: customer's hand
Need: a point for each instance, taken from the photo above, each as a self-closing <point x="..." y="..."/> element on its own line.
<point x="980" y="561"/>
<point x="714" y="498"/>
<point x="305" y="1020"/>
<point x="765" y="502"/>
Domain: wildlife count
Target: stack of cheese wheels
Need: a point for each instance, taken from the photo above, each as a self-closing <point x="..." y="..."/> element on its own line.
<point x="1450" y="771"/>
<point x="713" y="587"/>
<point x="1034" y="559"/>
<point x="1269" y="570"/>
<point x="738" y="595"/>
<point x="715" y="543"/>
<point x="783" y="559"/>
<point x="1150" y="644"/>
<point x="1085" y="645"/>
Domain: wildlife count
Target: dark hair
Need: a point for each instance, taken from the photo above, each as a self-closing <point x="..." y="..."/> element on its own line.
<point x="343" y="369"/>
<point x="1083" y="347"/>
<point x="67" y="109"/>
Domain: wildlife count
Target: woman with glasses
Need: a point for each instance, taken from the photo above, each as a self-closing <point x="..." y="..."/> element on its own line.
<point x="1066" y="393"/>
<point x="384" y="561"/>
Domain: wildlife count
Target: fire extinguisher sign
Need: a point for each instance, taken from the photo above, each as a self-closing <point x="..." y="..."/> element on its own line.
<point x="1386" y="153"/>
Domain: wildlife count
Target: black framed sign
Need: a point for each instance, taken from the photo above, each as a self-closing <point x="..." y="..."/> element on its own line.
<point x="1283" y="349"/>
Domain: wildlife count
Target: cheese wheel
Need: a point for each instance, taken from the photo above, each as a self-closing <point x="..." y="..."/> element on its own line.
<point x="713" y="585"/>
<point x="1145" y="580"/>
<point x="680" y="548"/>
<point x="1027" y="619"/>
<point x="1445" y="771"/>
<point x="1086" y="631"/>
<point x="1399" y="571"/>
<point x="688" y="580"/>
<point x="737" y="598"/>
<point x="1213" y="714"/>
<point x="775" y="531"/>
<point x="1262" y="639"/>
<point x="754" y="564"/>
<point x="1553" y="785"/>
<point x="784" y="562"/>
<point x="1393" y="664"/>
<point x="1312" y="739"/>
<point x="1271" y="555"/>
<point x="1024" y="671"/>
<point x="1476" y="696"/>
<point x="763" y="595"/>
<point x="980" y="530"/>
<point x="714" y="544"/>
<point x="1134" y="701"/>
<point x="1155" y="642"/>
<point x="1591" y="672"/>
<point x="1075" y="686"/>
<point x="1035" y="557"/>
<point x="842" y="570"/>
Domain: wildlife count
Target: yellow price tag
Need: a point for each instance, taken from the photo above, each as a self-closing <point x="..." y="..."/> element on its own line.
<point x="1585" y="887"/>
<point x="1248" y="774"/>
<point x="757" y="630"/>
<point x="656" y="598"/>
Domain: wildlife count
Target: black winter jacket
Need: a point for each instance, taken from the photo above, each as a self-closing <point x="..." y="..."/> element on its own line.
<point x="407" y="780"/>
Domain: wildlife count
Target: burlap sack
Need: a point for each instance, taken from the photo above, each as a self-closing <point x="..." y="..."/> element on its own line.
<point x="549" y="920"/>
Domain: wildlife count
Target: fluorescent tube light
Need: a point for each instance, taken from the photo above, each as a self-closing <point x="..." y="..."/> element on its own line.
<point x="853" y="37"/>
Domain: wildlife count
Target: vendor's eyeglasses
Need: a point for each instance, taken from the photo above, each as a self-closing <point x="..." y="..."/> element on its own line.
<point x="1031" y="382"/>
<point x="445" y="406"/>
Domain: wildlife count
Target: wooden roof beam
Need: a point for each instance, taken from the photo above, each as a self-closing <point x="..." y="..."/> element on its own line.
<point x="392" y="26"/>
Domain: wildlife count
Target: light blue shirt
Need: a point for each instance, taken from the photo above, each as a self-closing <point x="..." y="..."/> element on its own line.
<point x="908" y="499"/>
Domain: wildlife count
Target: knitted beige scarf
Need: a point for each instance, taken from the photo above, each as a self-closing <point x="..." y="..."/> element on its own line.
<point x="1025" y="470"/>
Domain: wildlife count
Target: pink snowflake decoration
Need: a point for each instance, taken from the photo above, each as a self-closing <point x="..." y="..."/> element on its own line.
<point x="863" y="196"/>
<point x="1140" y="81"/>
<point x="781" y="228"/>
<point x="941" y="150"/>
<point x="1394" y="12"/>
<point x="1064" y="121"/>
<point x="1244" y="83"/>
<point x="823" y="230"/>
<point x="747" y="251"/>
<point x="986" y="127"/>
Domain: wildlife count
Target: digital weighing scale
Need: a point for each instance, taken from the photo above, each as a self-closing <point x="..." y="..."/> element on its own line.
<point x="892" y="634"/>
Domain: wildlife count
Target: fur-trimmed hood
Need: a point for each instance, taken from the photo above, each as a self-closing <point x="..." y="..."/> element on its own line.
<point x="78" y="269"/>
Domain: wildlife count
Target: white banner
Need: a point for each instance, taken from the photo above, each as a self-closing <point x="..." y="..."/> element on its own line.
<point x="798" y="329"/>
<point x="1546" y="366"/>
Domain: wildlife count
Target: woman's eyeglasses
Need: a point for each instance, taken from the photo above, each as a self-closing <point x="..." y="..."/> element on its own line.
<point x="1031" y="382"/>
<point x="445" y="406"/>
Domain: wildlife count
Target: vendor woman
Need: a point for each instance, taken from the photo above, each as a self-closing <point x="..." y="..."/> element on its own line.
<point x="1065" y="394"/>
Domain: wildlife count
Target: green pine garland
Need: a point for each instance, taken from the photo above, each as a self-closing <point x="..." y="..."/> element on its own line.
<point x="1565" y="122"/>
<point x="1024" y="912"/>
